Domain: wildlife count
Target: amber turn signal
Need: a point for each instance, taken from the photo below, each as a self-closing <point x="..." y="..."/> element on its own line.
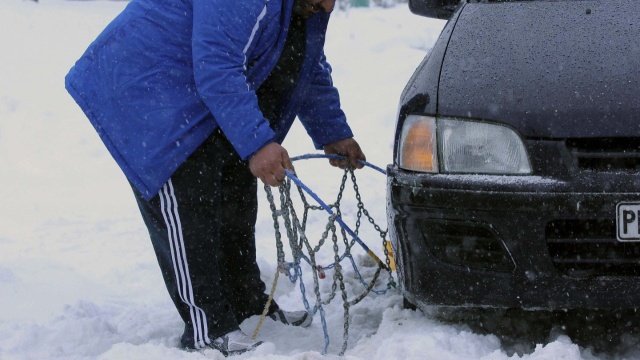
<point x="418" y="146"/>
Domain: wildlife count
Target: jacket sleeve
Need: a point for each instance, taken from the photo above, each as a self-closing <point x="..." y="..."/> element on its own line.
<point x="222" y="32"/>
<point x="320" y="113"/>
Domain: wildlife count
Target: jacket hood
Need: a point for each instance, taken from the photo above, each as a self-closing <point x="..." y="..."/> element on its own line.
<point x="548" y="68"/>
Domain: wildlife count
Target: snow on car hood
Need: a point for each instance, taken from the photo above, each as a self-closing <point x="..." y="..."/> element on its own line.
<point x="550" y="69"/>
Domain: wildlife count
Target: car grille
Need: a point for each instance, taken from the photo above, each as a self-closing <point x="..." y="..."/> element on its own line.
<point x="586" y="248"/>
<point x="606" y="154"/>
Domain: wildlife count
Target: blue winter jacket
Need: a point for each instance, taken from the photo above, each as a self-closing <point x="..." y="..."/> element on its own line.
<point x="164" y="74"/>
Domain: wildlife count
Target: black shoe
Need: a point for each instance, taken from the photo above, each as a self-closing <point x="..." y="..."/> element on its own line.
<point x="234" y="343"/>
<point x="294" y="318"/>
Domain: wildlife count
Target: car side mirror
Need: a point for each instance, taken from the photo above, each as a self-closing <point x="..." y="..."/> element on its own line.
<point x="439" y="9"/>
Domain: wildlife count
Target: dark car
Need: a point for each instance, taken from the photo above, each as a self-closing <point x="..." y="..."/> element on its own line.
<point x="515" y="181"/>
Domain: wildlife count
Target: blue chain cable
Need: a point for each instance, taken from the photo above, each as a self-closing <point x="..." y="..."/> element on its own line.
<point x="331" y="156"/>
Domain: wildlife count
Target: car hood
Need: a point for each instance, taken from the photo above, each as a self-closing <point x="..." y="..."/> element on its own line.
<point x="549" y="69"/>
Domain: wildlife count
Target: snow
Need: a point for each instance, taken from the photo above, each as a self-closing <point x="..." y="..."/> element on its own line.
<point x="501" y="179"/>
<point x="78" y="278"/>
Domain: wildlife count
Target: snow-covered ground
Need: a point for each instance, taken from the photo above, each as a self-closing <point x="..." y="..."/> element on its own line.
<point x="78" y="278"/>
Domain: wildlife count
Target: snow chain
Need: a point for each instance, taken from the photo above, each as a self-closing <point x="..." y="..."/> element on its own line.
<point x="295" y="230"/>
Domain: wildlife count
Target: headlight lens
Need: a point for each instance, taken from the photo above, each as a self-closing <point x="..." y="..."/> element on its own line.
<point x="464" y="147"/>
<point x="474" y="147"/>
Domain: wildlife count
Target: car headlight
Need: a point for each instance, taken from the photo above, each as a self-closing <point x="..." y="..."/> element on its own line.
<point x="460" y="146"/>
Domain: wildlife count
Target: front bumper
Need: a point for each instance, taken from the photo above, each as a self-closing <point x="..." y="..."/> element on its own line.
<point x="498" y="241"/>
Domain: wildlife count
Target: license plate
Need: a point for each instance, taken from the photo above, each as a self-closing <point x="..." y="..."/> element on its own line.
<point x="628" y="221"/>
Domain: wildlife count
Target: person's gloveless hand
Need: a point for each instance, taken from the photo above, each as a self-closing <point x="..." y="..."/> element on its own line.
<point x="268" y="164"/>
<point x="346" y="147"/>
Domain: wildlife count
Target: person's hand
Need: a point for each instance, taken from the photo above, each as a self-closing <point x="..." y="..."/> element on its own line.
<point x="346" y="147"/>
<point x="268" y="164"/>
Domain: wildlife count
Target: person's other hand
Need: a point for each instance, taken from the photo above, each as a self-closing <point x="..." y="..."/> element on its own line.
<point x="268" y="164"/>
<point x="346" y="147"/>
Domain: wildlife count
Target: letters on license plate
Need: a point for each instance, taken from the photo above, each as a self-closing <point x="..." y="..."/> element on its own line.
<point x="628" y="221"/>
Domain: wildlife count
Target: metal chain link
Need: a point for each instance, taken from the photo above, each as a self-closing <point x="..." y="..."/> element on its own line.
<point x="383" y="233"/>
<point x="296" y="234"/>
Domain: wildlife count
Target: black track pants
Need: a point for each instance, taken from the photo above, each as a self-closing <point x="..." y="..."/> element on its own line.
<point x="202" y="227"/>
